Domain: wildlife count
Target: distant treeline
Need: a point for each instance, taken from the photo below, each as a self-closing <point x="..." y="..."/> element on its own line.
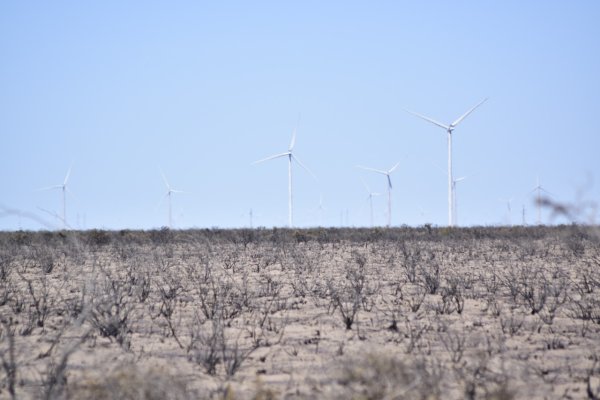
<point x="246" y="236"/>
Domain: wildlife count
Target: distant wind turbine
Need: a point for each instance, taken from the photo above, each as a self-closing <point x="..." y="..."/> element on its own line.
<point x="508" y="203"/>
<point x="290" y="156"/>
<point x="389" y="181"/>
<point x="539" y="189"/>
<point x="370" y="199"/>
<point x="168" y="195"/>
<point x="320" y="209"/>
<point x="64" y="190"/>
<point x="449" y="129"/>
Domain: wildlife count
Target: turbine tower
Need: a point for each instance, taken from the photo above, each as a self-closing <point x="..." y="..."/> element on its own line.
<point x="449" y="129"/>
<point x="168" y="195"/>
<point x="370" y="199"/>
<point x="389" y="181"/>
<point x="291" y="157"/>
<point x="454" y="202"/>
<point x="64" y="189"/>
<point x="320" y="210"/>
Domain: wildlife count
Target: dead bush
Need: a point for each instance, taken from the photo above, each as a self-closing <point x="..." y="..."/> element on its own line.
<point x="212" y="343"/>
<point x="111" y="310"/>
<point x="351" y="293"/>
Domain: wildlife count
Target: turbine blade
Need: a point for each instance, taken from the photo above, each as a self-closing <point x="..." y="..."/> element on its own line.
<point x="372" y="169"/>
<point x="535" y="188"/>
<point x="287" y="153"/>
<point x="49" y="188"/>
<point x="366" y="186"/>
<point x="393" y="168"/>
<point x="71" y="194"/>
<point x="433" y="121"/>
<point x="389" y="181"/>
<point x="462" y="178"/>
<point x="67" y="177"/>
<point x="161" y="201"/>
<point x="304" y="166"/>
<point x="293" y="141"/>
<point x="467" y="113"/>
<point x="165" y="179"/>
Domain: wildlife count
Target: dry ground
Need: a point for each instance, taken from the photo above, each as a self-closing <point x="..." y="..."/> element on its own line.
<point x="490" y="313"/>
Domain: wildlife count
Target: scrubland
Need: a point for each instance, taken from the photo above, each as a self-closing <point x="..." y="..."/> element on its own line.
<point x="403" y="313"/>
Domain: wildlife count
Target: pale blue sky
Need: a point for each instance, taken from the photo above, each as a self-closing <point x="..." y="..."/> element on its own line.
<point x="202" y="89"/>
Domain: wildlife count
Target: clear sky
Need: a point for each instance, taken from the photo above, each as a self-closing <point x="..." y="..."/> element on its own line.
<point x="119" y="89"/>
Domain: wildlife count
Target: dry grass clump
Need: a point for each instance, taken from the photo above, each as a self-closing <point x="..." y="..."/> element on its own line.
<point x="129" y="382"/>
<point x="379" y="376"/>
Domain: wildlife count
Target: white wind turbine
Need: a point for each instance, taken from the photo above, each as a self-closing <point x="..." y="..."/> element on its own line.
<point x="370" y="199"/>
<point x="320" y="210"/>
<point x="389" y="181"/>
<point x="539" y="189"/>
<point x="64" y="189"/>
<point x="449" y="129"/>
<point x="290" y="156"/>
<point x="508" y="203"/>
<point x="168" y="195"/>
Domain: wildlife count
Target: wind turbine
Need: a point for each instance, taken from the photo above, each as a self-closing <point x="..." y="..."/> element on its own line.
<point x="320" y="209"/>
<point x="508" y="209"/>
<point x="539" y="189"/>
<point x="370" y="199"/>
<point x="449" y="129"/>
<point x="389" y="181"/>
<point x="64" y="190"/>
<point x="290" y="156"/>
<point x="168" y="194"/>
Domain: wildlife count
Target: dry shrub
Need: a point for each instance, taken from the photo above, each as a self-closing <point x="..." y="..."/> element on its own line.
<point x="131" y="383"/>
<point x="382" y="376"/>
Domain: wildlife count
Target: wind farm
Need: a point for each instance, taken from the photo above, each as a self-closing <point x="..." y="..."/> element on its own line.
<point x="536" y="194"/>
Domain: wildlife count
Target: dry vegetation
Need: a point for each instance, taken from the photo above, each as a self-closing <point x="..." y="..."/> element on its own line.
<point x="478" y="313"/>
